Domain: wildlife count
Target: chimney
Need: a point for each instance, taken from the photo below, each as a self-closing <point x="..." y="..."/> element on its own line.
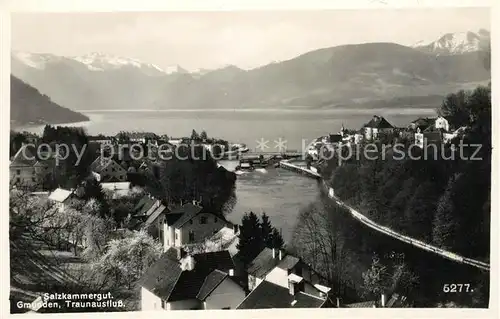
<point x="281" y="254"/>
<point x="382" y="300"/>
<point x="274" y="253"/>
<point x="292" y="288"/>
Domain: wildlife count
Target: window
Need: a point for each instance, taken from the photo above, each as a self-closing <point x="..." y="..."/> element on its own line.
<point x="215" y="219"/>
<point x="203" y="220"/>
<point x="176" y="236"/>
<point x="191" y="222"/>
<point x="33" y="179"/>
<point x="18" y="171"/>
<point x="191" y="236"/>
<point x="113" y="169"/>
<point x="18" y="180"/>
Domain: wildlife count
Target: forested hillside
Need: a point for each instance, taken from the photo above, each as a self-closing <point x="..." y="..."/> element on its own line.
<point x="443" y="199"/>
<point x="28" y="106"/>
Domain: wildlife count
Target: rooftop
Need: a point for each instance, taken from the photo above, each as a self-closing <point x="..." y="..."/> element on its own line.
<point x="262" y="264"/>
<point x="23" y="157"/>
<point x="378" y="122"/>
<point x="268" y="295"/>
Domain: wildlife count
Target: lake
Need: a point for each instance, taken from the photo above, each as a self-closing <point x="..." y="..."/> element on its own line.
<point x="280" y="193"/>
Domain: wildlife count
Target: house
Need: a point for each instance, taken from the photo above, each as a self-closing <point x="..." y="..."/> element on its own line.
<point x="275" y="265"/>
<point x="119" y="189"/>
<point x="60" y="198"/>
<point x="150" y="213"/>
<point x="107" y="170"/>
<point x="190" y="224"/>
<point x="200" y="281"/>
<point x="441" y="122"/>
<point x="26" y="170"/>
<point x="270" y="295"/>
<point x="421" y="123"/>
<point x="376" y="126"/>
<point x="101" y="140"/>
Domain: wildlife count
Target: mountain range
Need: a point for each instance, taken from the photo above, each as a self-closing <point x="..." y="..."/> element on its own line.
<point x="29" y="107"/>
<point x="346" y="75"/>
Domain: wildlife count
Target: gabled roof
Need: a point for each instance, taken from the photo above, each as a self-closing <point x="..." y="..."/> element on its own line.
<point x="188" y="211"/>
<point x="263" y="263"/>
<point x="167" y="280"/>
<point x="154" y="215"/>
<point x="101" y="163"/>
<point x="269" y="295"/>
<point x="144" y="204"/>
<point x="378" y="122"/>
<point x="288" y="262"/>
<point x="214" y="279"/>
<point x="23" y="157"/>
<point x="161" y="277"/>
<point x="60" y="195"/>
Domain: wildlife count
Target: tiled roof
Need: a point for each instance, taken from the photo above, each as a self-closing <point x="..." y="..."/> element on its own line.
<point x="154" y="215"/>
<point x="144" y="204"/>
<point x="23" y="157"/>
<point x="263" y="263"/>
<point x="60" y="195"/>
<point x="188" y="211"/>
<point x="378" y="122"/>
<point x="269" y="295"/>
<point x="211" y="282"/>
<point x="161" y="277"/>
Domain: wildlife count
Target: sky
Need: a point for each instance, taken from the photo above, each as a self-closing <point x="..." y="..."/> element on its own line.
<point x="247" y="39"/>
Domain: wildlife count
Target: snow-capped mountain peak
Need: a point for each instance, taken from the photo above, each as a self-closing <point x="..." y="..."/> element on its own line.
<point x="457" y="43"/>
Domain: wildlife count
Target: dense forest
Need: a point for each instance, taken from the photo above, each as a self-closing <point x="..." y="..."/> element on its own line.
<point x="443" y="199"/>
<point x="29" y="106"/>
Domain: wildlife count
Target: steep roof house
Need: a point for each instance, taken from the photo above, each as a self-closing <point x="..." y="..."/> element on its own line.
<point x="191" y="224"/>
<point x="377" y="125"/>
<point x="199" y="281"/>
<point x="275" y="265"/>
<point x="60" y="197"/>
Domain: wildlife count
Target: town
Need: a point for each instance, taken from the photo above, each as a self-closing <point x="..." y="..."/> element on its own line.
<point x="194" y="257"/>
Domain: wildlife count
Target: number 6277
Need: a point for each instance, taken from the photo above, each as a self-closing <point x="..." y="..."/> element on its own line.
<point x="456" y="288"/>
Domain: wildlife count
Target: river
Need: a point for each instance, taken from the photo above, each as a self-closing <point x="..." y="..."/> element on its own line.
<point x="279" y="193"/>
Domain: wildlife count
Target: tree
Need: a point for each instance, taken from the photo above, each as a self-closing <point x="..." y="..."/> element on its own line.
<point x="126" y="259"/>
<point x="250" y="239"/>
<point x="276" y="239"/>
<point x="266" y="231"/>
<point x="444" y="224"/>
